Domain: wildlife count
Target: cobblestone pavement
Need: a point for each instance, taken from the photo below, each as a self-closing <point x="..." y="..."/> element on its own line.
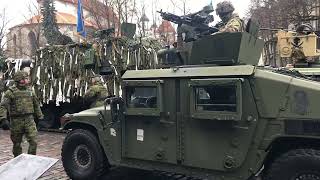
<point x="49" y="145"/>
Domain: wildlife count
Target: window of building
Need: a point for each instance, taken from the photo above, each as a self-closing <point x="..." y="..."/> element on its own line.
<point x="141" y="97"/>
<point x="216" y="98"/>
<point x="14" y="46"/>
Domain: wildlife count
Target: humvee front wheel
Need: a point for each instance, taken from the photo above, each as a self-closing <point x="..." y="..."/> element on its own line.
<point x="299" y="164"/>
<point x="82" y="155"/>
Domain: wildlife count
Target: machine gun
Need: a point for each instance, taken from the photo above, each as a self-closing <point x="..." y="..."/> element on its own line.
<point x="198" y="22"/>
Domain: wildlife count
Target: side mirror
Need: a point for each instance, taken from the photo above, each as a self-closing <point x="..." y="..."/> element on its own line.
<point x="116" y="108"/>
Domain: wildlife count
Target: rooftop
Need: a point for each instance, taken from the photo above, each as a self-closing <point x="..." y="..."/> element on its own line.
<point x="62" y="18"/>
<point x="94" y="6"/>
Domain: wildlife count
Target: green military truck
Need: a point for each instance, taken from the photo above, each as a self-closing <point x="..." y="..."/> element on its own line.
<point x="218" y="116"/>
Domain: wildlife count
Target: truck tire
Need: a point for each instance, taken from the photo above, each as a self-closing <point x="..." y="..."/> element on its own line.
<point x="82" y="155"/>
<point x="298" y="164"/>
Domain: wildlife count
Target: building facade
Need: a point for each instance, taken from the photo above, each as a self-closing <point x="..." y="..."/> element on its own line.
<point x="316" y="23"/>
<point x="166" y="33"/>
<point x="26" y="38"/>
<point x="316" y="13"/>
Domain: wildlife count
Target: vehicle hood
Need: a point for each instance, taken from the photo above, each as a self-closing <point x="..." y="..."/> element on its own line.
<point x="283" y="96"/>
<point x="92" y="111"/>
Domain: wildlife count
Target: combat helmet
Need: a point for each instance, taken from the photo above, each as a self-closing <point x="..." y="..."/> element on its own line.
<point x="305" y="28"/>
<point x="224" y="7"/>
<point x="20" y="75"/>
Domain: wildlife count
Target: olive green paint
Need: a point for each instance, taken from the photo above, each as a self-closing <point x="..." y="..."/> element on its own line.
<point x="215" y="144"/>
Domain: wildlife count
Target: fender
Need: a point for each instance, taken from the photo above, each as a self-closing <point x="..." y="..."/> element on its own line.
<point x="284" y="143"/>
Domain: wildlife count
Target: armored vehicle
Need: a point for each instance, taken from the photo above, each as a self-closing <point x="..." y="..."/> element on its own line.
<point x="216" y="116"/>
<point x="297" y="49"/>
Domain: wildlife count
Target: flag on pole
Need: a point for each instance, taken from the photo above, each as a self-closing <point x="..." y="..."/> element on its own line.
<point x="80" y="20"/>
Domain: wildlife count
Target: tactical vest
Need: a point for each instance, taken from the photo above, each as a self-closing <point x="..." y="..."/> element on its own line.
<point x="22" y="102"/>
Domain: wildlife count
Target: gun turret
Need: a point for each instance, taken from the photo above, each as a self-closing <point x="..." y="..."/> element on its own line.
<point x="198" y="22"/>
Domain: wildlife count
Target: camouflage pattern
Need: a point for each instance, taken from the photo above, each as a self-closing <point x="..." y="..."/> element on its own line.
<point x="224" y="7"/>
<point x="2" y="110"/>
<point x="298" y="55"/>
<point x="23" y="125"/>
<point x="235" y="24"/>
<point x="20" y="75"/>
<point x="96" y="95"/>
<point x="231" y="22"/>
<point x="23" y="107"/>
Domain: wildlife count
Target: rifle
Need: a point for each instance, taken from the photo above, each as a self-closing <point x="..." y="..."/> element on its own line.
<point x="194" y="21"/>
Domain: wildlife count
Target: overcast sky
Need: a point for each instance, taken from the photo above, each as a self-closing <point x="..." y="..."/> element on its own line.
<point x="17" y="10"/>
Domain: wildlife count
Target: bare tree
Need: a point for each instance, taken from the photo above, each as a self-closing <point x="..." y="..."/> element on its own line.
<point x="280" y="13"/>
<point x="155" y="20"/>
<point x="3" y="32"/>
<point x="99" y="11"/>
<point x="33" y="17"/>
<point x="182" y="5"/>
<point x="128" y="9"/>
<point x="114" y="11"/>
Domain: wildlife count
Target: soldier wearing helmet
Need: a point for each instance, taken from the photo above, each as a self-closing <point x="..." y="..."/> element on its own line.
<point x="230" y="22"/>
<point x="23" y="106"/>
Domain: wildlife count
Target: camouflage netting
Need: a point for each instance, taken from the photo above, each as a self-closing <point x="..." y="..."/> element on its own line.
<point x="61" y="73"/>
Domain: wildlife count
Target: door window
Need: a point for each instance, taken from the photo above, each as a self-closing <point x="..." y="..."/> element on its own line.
<point x="216" y="98"/>
<point x="142" y="97"/>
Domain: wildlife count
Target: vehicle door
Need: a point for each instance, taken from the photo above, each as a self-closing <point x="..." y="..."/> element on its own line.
<point x="219" y="120"/>
<point x="149" y="128"/>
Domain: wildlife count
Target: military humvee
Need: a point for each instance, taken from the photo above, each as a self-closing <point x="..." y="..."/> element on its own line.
<point x="218" y="116"/>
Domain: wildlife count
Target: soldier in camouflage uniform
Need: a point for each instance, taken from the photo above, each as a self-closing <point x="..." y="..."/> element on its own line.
<point x="231" y="22"/>
<point x="3" y="121"/>
<point x="298" y="56"/>
<point x="23" y="106"/>
<point x="96" y="94"/>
